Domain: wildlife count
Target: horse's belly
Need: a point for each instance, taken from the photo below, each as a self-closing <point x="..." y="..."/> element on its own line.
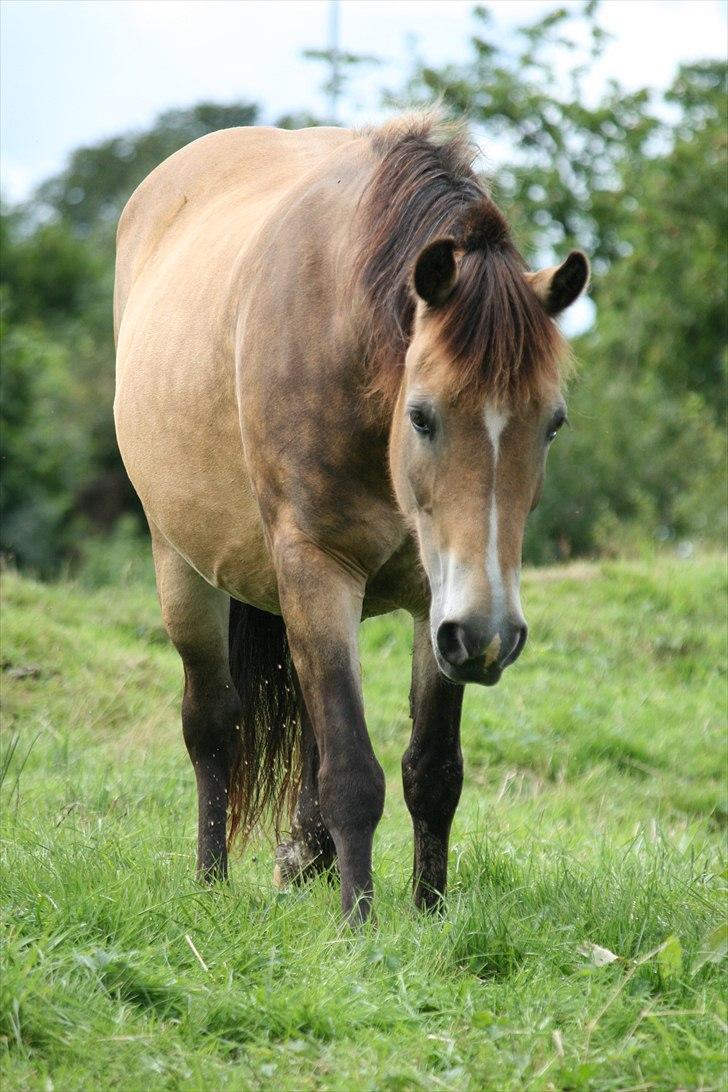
<point x="179" y="436"/>
<point x="203" y="505"/>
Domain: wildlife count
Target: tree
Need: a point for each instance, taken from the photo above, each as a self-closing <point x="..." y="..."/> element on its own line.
<point x="662" y="302"/>
<point x="91" y="192"/>
<point x="561" y="181"/>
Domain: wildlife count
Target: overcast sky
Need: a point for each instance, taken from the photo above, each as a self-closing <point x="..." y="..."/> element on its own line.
<point x="75" y="71"/>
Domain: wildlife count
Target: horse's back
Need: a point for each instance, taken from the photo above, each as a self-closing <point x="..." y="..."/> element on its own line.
<point x="242" y="165"/>
<point x="187" y="242"/>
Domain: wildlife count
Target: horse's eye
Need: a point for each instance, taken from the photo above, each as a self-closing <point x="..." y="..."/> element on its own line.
<point x="420" y="421"/>
<point x="555" y="425"/>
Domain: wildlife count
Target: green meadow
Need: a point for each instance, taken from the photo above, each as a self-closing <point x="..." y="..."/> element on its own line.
<point x="582" y="940"/>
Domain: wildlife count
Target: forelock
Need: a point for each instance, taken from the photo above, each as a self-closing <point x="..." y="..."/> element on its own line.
<point x="492" y="329"/>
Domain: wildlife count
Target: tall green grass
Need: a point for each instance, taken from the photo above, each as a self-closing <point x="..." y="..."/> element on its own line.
<point x="581" y="944"/>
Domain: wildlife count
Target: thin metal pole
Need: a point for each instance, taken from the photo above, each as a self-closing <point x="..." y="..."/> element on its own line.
<point x="335" y="62"/>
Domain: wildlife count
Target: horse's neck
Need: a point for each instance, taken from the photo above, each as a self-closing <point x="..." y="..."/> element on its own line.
<point x="315" y="316"/>
<point x="314" y="436"/>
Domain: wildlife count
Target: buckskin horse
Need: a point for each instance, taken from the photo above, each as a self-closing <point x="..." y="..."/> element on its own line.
<point x="336" y="386"/>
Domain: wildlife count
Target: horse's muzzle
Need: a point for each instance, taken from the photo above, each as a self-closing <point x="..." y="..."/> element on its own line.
<point x="474" y="651"/>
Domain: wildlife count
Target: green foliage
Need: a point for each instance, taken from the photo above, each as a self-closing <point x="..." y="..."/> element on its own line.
<point x="584" y="941"/>
<point x="636" y="463"/>
<point x="647" y="453"/>
<point x="47" y="273"/>
<point x="116" y="558"/>
<point x="60" y="463"/>
<point x="661" y="306"/>
<point x="44" y="446"/>
<point x="561" y="185"/>
<point x="56" y="389"/>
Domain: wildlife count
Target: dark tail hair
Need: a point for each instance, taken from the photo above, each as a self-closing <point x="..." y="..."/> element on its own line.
<point x="266" y="772"/>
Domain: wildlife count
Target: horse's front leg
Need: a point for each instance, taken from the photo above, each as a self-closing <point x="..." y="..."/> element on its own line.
<point x="321" y="605"/>
<point x="432" y="768"/>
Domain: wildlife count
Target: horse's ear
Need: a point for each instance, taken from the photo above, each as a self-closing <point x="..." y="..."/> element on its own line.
<point x="436" y="272"/>
<point x="558" y="286"/>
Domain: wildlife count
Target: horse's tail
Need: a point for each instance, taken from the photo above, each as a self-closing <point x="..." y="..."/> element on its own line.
<point x="266" y="771"/>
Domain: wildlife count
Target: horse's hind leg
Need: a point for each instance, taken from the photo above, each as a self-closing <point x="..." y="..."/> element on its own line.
<point x="196" y="617"/>
<point x="311" y="848"/>
<point x="432" y="768"/>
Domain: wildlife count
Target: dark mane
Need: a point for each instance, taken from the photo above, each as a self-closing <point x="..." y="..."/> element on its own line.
<point x="493" y="327"/>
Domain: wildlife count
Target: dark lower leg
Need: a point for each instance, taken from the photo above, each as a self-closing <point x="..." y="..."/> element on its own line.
<point x="350" y="787"/>
<point x="352" y="817"/>
<point x="210" y="720"/>
<point x="432" y="769"/>
<point x="196" y="618"/>
<point x="322" y="608"/>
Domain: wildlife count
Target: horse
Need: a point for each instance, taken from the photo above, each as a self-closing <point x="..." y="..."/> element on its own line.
<point x="337" y="382"/>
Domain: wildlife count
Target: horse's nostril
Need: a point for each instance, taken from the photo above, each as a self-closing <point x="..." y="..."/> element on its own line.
<point x="520" y="633"/>
<point x="452" y="644"/>
<point x="460" y="645"/>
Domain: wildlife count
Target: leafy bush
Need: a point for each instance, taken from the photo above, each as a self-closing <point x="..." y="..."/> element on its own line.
<point x="44" y="447"/>
<point x="638" y="462"/>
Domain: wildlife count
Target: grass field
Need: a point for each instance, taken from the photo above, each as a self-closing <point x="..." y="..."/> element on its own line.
<point x="593" y="815"/>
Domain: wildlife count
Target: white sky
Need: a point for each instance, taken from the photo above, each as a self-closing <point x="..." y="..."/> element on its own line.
<point x="75" y="71"/>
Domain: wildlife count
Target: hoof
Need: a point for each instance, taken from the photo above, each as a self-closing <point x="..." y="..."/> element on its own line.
<point x="293" y="860"/>
<point x="297" y="862"/>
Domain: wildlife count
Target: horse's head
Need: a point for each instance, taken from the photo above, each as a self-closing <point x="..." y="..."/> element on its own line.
<point x="478" y="407"/>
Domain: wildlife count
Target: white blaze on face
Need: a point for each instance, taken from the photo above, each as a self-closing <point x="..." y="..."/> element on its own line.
<point x="495" y="421"/>
<point x="459" y="584"/>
